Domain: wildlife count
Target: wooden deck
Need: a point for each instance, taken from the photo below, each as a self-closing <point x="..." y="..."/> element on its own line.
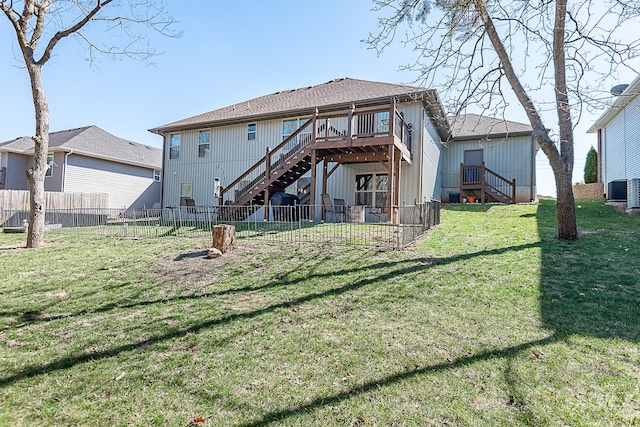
<point x="367" y="135"/>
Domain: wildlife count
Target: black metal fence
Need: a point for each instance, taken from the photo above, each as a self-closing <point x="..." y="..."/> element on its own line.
<point x="350" y="225"/>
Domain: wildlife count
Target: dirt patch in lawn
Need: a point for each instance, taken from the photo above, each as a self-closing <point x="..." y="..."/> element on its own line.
<point x="194" y="268"/>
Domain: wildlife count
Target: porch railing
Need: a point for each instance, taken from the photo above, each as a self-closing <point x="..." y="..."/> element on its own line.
<point x="481" y="177"/>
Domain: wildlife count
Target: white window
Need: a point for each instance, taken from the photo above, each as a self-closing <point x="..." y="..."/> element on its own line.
<point x="49" y="165"/>
<point x="185" y="192"/>
<point x="156" y="175"/>
<point x="174" y="146"/>
<point x="290" y="126"/>
<point x="252" y="131"/>
<point x="204" y="143"/>
<point x="371" y="189"/>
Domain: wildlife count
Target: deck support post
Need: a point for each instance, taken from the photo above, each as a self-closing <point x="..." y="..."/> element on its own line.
<point x="483" y="183"/>
<point x="390" y="184"/>
<point x="350" y="126"/>
<point x="324" y="184"/>
<point x="267" y="175"/>
<point x="312" y="200"/>
<point x="397" y="183"/>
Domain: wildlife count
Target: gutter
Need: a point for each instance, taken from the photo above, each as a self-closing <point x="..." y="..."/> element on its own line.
<point x="322" y="109"/>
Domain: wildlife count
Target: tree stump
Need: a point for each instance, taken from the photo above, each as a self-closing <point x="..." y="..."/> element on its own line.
<point x="224" y="237"/>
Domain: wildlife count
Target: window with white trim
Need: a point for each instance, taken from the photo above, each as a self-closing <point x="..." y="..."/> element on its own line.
<point x="204" y="143"/>
<point x="156" y="175"/>
<point x="290" y="126"/>
<point x="186" y="189"/>
<point x="49" y="165"/>
<point x="174" y="146"/>
<point x="252" y="129"/>
<point x="372" y="189"/>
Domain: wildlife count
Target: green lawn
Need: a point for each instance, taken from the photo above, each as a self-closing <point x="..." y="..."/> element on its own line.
<point x="488" y="320"/>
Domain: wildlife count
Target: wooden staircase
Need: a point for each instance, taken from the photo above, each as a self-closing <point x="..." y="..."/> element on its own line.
<point x="486" y="184"/>
<point x="278" y="169"/>
<point x="371" y="134"/>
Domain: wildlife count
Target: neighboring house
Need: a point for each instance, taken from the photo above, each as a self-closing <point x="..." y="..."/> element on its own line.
<point x="618" y="132"/>
<point x="89" y="160"/>
<point x="372" y="144"/>
<point x="504" y="147"/>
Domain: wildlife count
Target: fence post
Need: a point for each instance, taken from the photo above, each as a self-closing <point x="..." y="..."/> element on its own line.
<point x="350" y="125"/>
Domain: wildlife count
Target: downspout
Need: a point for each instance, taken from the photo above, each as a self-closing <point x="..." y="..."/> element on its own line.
<point x="64" y="176"/>
<point x="162" y="172"/>
<point x="599" y="157"/>
<point x="420" y="154"/>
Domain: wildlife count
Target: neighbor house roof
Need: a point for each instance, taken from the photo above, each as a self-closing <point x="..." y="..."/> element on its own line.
<point x="331" y="96"/>
<point x="474" y="126"/>
<point x="92" y="141"/>
<point x="624" y="99"/>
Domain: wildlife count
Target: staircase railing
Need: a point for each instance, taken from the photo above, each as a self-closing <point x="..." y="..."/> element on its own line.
<point x="479" y="177"/>
<point x="273" y="159"/>
<point x="328" y="128"/>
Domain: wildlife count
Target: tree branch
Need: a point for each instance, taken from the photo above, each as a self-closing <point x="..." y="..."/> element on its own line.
<point x="72" y="29"/>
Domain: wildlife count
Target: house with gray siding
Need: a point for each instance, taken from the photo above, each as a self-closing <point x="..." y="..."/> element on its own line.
<point x="364" y="143"/>
<point x="89" y="160"/>
<point x="618" y="131"/>
<point x="504" y="147"/>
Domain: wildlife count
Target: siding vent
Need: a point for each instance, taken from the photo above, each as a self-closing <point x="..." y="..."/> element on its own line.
<point x="633" y="191"/>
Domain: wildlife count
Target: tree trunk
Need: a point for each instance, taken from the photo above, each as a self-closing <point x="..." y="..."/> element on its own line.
<point x="36" y="174"/>
<point x="565" y="206"/>
<point x="561" y="160"/>
<point x="224" y="237"/>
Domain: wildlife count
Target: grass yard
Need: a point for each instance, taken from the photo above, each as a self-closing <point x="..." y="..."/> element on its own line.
<point x="488" y="320"/>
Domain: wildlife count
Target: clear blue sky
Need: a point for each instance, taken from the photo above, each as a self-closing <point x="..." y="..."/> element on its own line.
<point x="230" y="52"/>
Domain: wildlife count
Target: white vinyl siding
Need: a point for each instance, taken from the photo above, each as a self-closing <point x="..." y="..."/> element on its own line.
<point x="621" y="145"/>
<point x="126" y="185"/>
<point x="16" y="178"/>
<point x="53" y="182"/>
<point x="231" y="156"/>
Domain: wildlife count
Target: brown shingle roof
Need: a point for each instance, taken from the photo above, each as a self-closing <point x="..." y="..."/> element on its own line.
<point x="332" y="95"/>
<point x="474" y="126"/>
<point x="93" y="142"/>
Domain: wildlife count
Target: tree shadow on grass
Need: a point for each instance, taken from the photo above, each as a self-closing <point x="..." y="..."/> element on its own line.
<point x="591" y="287"/>
<point x="507" y="352"/>
<point x="401" y="268"/>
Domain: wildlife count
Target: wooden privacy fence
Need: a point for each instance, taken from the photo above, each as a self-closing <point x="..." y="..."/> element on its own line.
<point x="18" y="200"/>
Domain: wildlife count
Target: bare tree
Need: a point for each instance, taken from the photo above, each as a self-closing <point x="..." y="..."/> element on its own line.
<point x="40" y="26"/>
<point x="470" y="48"/>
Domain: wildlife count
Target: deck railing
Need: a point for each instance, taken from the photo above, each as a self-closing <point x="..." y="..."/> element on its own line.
<point x="273" y="159"/>
<point x="322" y="129"/>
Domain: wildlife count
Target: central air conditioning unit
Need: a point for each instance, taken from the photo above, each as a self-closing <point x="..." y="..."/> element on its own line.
<point x="633" y="193"/>
<point x="617" y="191"/>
